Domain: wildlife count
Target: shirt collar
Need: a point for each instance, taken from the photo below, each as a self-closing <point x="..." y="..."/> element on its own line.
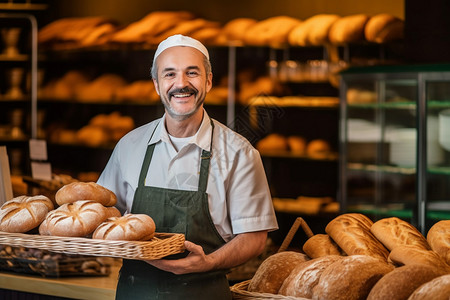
<point x="202" y="137"/>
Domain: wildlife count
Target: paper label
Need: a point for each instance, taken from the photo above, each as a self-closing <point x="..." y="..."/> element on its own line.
<point x="41" y="171"/>
<point x="38" y="149"/>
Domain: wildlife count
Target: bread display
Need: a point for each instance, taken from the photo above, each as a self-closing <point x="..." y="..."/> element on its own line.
<point x="351" y="277"/>
<point x="439" y="239"/>
<point x="436" y="289"/>
<point x="92" y="191"/>
<point x="272" y="272"/>
<point x="130" y="227"/>
<point x="76" y="219"/>
<point x="394" y="232"/>
<point x="402" y="282"/>
<point x="272" y="142"/>
<point x="235" y="29"/>
<point x="24" y="213"/>
<point x="272" y="31"/>
<point x="348" y="29"/>
<point x="303" y="279"/>
<point x="101" y="89"/>
<point x="318" y="148"/>
<point x="383" y="28"/>
<point x="409" y="255"/>
<point x="296" y="144"/>
<point x="320" y="245"/>
<point x="312" y="31"/>
<point x="352" y="233"/>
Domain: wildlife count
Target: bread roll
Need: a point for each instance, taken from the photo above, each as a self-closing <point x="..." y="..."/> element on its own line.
<point x="352" y="234"/>
<point x="130" y="227"/>
<point x="436" y="289"/>
<point x="394" y="232"/>
<point x="439" y="239"/>
<point x="24" y="213"/>
<point x="76" y="191"/>
<point x="318" y="148"/>
<point x="408" y="255"/>
<point x="313" y="31"/>
<point x="402" y="282"/>
<point x="272" y="142"/>
<point x="272" y="31"/>
<point x="112" y="212"/>
<point x="320" y="245"/>
<point x="235" y="29"/>
<point x="297" y="144"/>
<point x="383" y="28"/>
<point x="348" y="29"/>
<point x="77" y="219"/>
<point x="305" y="277"/>
<point x="272" y="272"/>
<point x="351" y="277"/>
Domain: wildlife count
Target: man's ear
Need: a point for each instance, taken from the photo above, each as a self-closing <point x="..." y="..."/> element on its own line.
<point x="155" y="83"/>
<point x="209" y="82"/>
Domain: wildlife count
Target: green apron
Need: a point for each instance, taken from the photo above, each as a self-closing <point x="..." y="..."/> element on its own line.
<point x="175" y="211"/>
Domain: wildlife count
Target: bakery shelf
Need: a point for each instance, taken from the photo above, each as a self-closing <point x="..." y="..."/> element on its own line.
<point x="439" y="170"/>
<point x="333" y="157"/>
<point x="294" y="101"/>
<point x="381" y="168"/>
<point x="389" y="105"/>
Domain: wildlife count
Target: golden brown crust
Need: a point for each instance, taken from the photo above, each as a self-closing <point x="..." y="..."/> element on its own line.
<point x="130" y="227"/>
<point x="439" y="239"/>
<point x="409" y="255"/>
<point x="76" y="191"/>
<point x="348" y="29"/>
<point x="402" y="281"/>
<point x="383" y="28"/>
<point x="272" y="31"/>
<point x="272" y="272"/>
<point x="320" y="245"/>
<point x="235" y="29"/>
<point x="303" y="279"/>
<point x="352" y="234"/>
<point x="394" y="232"/>
<point x="436" y="289"/>
<point x="313" y="31"/>
<point x="24" y="213"/>
<point x="351" y="277"/>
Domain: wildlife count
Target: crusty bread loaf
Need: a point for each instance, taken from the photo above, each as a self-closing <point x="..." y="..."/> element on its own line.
<point x="394" y="232"/>
<point x="272" y="142"/>
<point x="402" y="282"/>
<point x="383" y="28"/>
<point x="320" y="245"/>
<point x="348" y="29"/>
<point x="296" y="144"/>
<point x="130" y="227"/>
<point x="312" y="31"/>
<point x="112" y="211"/>
<point x="351" y="277"/>
<point x="304" y="277"/>
<point x="439" y="239"/>
<point x="76" y="191"/>
<point x="352" y="234"/>
<point x="409" y="254"/>
<point x="235" y="29"/>
<point x="436" y="289"/>
<point x="77" y="219"/>
<point x="318" y="148"/>
<point x="24" y="213"/>
<point x="272" y="272"/>
<point x="272" y="31"/>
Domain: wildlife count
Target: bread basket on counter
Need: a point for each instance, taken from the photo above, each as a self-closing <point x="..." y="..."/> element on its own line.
<point x="161" y="245"/>
<point x="240" y="290"/>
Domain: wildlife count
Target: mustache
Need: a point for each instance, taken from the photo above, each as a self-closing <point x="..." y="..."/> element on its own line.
<point x="183" y="90"/>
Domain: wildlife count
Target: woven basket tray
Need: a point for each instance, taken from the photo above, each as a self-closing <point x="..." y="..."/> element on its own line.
<point x="163" y="244"/>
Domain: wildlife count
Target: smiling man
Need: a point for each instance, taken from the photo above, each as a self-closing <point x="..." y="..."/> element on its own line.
<point x="192" y="175"/>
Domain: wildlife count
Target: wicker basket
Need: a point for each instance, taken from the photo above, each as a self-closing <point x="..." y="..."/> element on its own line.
<point x="239" y="290"/>
<point x="163" y="244"/>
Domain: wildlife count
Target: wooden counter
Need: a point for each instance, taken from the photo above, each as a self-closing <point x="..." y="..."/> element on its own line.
<point x="95" y="288"/>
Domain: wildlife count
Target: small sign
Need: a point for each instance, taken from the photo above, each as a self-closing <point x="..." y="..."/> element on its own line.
<point x="41" y="170"/>
<point x="6" y="192"/>
<point x="38" y="150"/>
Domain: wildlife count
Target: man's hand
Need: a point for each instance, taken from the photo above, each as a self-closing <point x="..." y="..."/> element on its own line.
<point x="237" y="251"/>
<point x="196" y="261"/>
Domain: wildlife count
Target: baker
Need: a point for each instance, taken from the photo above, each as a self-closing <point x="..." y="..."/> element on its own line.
<point x="192" y="175"/>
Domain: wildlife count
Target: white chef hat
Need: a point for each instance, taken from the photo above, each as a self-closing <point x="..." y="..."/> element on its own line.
<point x="180" y="40"/>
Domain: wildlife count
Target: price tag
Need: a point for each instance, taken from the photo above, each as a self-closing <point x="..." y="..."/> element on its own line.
<point x="41" y="171"/>
<point x="38" y="150"/>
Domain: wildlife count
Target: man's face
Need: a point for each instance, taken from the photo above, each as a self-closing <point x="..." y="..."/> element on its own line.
<point x="182" y="81"/>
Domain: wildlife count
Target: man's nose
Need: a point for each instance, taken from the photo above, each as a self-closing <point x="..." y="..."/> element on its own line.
<point x="181" y="80"/>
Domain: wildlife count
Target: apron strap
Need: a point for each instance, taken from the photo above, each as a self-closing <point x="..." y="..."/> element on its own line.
<point x="204" y="165"/>
<point x="147" y="160"/>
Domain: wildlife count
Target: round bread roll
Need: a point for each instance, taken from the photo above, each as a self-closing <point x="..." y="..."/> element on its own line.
<point x="304" y="277"/>
<point x="130" y="227"/>
<point x="77" y="219"/>
<point x="24" y="213"/>
<point x="439" y="239"/>
<point x="348" y="29"/>
<point x="272" y="142"/>
<point x="76" y="191"/>
<point x="393" y="232"/>
<point x="351" y="277"/>
<point x="318" y="149"/>
<point x="436" y="289"/>
<point x="402" y="282"/>
<point x="313" y="31"/>
<point x="272" y="272"/>
<point x="320" y="245"/>
<point x="297" y="144"/>
<point x="272" y="31"/>
<point x="383" y="28"/>
<point x="235" y="29"/>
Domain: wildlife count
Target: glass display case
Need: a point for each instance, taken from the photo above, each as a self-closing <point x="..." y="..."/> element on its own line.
<point x="395" y="143"/>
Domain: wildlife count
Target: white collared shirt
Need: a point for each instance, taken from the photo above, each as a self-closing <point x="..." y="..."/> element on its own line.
<point x="238" y="194"/>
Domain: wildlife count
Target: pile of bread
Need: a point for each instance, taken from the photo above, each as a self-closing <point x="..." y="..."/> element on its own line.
<point x="274" y="31"/>
<point x="298" y="145"/>
<point x="82" y="209"/>
<point x="359" y="259"/>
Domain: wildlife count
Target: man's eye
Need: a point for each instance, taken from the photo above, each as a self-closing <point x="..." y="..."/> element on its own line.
<point x="192" y="73"/>
<point x="169" y="75"/>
